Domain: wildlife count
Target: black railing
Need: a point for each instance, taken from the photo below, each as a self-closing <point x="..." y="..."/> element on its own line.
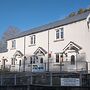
<point x="43" y="79"/>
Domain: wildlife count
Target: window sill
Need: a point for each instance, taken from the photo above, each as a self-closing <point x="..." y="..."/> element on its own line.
<point x="12" y="65"/>
<point x="58" y="40"/>
<point x="58" y="64"/>
<point x="12" y="48"/>
<point x="32" y="45"/>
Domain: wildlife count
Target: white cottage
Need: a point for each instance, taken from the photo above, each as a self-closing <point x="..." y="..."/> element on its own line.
<point x="62" y="45"/>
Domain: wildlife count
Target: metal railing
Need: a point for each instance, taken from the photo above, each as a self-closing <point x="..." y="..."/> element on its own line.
<point x="45" y="79"/>
<point x="65" y="66"/>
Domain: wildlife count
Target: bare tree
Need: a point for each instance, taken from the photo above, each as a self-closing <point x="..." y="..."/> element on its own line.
<point x="9" y="33"/>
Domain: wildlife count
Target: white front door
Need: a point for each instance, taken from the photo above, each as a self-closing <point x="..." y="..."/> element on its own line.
<point x="18" y="64"/>
<point x="71" y="60"/>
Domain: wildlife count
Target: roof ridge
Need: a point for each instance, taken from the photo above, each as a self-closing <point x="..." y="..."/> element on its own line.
<point x="54" y="24"/>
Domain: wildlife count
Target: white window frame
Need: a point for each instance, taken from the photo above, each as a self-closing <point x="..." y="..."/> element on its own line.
<point x="12" y="61"/>
<point x="32" y="39"/>
<point x="60" y="59"/>
<point x="13" y="44"/>
<point x="61" y="34"/>
<point x="57" y="33"/>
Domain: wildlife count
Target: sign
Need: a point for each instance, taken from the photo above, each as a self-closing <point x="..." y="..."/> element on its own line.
<point x="38" y="68"/>
<point x="70" y="82"/>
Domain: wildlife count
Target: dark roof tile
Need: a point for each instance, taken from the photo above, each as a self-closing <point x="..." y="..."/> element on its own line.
<point x="58" y="23"/>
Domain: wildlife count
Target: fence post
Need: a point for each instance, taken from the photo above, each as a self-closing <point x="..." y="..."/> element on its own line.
<point x="1" y="80"/>
<point x="50" y="79"/>
<point x="31" y="78"/>
<point x="80" y="78"/>
<point x="28" y="87"/>
<point x="15" y="82"/>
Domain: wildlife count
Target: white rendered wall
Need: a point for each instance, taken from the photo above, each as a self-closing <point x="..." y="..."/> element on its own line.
<point x="77" y="32"/>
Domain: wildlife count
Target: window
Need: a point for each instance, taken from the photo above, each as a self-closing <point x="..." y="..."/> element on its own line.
<point x="33" y="60"/>
<point x="57" y="58"/>
<point x="20" y="63"/>
<point x="72" y="60"/>
<point x="12" y="61"/>
<point x="62" y="33"/>
<point x="30" y="60"/>
<point x="59" y="33"/>
<point x="41" y="60"/>
<point x="13" y="43"/>
<point x="61" y="58"/>
<point x="32" y="40"/>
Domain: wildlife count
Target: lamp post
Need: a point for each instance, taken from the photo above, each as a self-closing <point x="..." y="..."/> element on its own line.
<point x="24" y="54"/>
<point x="48" y="53"/>
<point x="24" y="63"/>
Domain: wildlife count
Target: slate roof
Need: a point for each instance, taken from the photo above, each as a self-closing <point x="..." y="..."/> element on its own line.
<point x="58" y="23"/>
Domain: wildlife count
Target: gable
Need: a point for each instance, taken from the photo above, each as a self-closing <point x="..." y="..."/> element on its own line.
<point x="72" y="46"/>
<point x="18" y="53"/>
<point x="40" y="51"/>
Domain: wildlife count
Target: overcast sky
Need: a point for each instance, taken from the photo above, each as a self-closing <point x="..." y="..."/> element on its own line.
<point x="26" y="14"/>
